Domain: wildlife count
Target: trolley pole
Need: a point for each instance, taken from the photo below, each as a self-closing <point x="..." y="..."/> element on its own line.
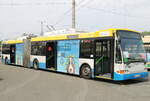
<point x="73" y="14"/>
<point x="41" y="28"/>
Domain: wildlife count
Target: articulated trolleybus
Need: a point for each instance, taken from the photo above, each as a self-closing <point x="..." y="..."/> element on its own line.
<point x="116" y="54"/>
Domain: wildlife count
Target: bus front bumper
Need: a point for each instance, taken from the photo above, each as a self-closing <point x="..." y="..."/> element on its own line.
<point x="130" y="76"/>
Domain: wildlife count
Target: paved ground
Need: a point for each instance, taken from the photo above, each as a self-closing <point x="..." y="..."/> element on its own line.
<point x="21" y="84"/>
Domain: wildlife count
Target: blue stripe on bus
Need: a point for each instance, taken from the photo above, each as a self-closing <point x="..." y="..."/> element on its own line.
<point x="42" y="65"/>
<point x="93" y="73"/>
<point x="8" y="61"/>
<point x="130" y="76"/>
<point x="3" y="61"/>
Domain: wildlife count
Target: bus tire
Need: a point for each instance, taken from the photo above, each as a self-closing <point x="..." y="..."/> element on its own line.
<point x="85" y="71"/>
<point x="36" y="64"/>
<point x="6" y="61"/>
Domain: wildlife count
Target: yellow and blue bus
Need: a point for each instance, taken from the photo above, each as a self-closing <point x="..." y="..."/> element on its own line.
<point x="116" y="54"/>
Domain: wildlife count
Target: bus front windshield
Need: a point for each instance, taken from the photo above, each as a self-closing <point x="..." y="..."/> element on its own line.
<point x="132" y="46"/>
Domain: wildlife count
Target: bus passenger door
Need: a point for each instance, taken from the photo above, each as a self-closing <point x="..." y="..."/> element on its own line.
<point x="12" y="53"/>
<point x="103" y="58"/>
<point x="51" y="55"/>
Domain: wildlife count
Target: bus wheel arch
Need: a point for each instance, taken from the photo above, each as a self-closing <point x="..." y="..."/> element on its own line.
<point x="36" y="64"/>
<point x="85" y="71"/>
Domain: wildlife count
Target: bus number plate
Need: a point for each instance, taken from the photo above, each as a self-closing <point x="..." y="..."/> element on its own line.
<point x="137" y="75"/>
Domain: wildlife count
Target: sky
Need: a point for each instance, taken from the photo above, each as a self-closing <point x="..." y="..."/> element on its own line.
<point x="25" y="16"/>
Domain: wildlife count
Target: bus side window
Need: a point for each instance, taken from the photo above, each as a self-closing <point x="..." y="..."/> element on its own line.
<point x="118" y="53"/>
<point x="98" y="49"/>
<point x="38" y="48"/>
<point x="5" y="49"/>
<point x="103" y="48"/>
<point x="86" y="48"/>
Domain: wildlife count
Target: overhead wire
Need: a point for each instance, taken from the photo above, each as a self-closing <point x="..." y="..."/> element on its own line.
<point x="33" y="4"/>
<point x="68" y="11"/>
<point x="116" y="13"/>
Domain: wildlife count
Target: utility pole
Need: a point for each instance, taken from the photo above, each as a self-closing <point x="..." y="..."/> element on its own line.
<point x="73" y="14"/>
<point x="41" y="28"/>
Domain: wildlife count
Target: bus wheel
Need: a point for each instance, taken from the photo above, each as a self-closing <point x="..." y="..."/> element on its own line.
<point x="36" y="64"/>
<point x="86" y="71"/>
<point x="6" y="61"/>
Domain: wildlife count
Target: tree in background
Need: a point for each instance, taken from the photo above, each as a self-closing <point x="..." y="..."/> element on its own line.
<point x="146" y="33"/>
<point x="0" y="43"/>
<point x="0" y="47"/>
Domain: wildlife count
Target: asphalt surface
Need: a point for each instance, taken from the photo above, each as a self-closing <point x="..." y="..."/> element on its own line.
<point x="22" y="84"/>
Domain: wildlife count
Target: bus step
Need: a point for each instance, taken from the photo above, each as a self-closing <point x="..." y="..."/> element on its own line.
<point x="108" y="75"/>
<point x="53" y="69"/>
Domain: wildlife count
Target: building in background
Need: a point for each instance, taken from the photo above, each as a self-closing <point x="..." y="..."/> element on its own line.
<point x="146" y="40"/>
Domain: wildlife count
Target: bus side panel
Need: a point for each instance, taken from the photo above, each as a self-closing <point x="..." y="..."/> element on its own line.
<point x="41" y="61"/>
<point x="19" y="54"/>
<point x="68" y="56"/>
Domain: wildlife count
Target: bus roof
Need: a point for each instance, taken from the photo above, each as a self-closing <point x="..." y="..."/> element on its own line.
<point x="101" y="33"/>
<point x="12" y="41"/>
<point x="115" y="29"/>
